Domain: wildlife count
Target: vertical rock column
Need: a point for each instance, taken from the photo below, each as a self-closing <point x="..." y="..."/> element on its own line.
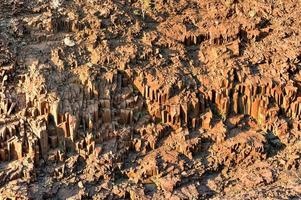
<point x="73" y="126"/>
<point x="55" y="112"/>
<point x="39" y="128"/>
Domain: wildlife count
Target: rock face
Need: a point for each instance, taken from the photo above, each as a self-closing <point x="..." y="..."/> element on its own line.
<point x="149" y="99"/>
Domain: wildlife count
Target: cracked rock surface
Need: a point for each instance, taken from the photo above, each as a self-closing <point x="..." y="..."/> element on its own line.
<point x="149" y="99"/>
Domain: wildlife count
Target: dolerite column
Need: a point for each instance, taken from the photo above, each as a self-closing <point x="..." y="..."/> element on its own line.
<point x="40" y="130"/>
<point x="54" y="112"/>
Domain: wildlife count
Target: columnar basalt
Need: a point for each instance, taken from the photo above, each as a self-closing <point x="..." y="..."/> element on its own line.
<point x="149" y="99"/>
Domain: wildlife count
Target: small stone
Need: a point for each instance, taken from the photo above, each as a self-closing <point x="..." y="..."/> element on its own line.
<point x="68" y="42"/>
<point x="252" y="13"/>
<point x="56" y="3"/>
<point x="80" y="184"/>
